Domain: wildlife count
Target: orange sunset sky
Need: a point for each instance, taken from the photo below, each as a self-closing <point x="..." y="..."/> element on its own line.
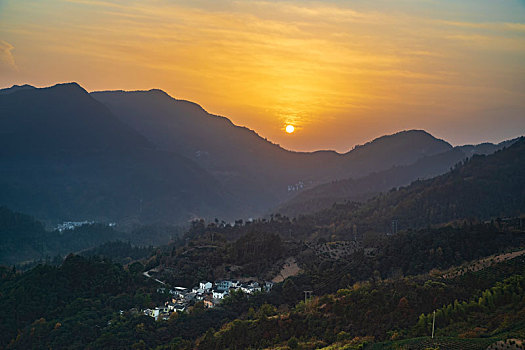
<point x="340" y="72"/>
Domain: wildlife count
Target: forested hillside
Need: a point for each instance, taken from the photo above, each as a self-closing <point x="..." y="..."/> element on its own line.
<point x="364" y="188"/>
<point x="481" y="188"/>
<point x="378" y="293"/>
<point x="78" y="298"/>
<point x="358" y="316"/>
<point x="355" y="275"/>
<point x="350" y="308"/>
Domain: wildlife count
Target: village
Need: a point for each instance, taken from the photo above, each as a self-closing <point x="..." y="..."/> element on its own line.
<point x="210" y="294"/>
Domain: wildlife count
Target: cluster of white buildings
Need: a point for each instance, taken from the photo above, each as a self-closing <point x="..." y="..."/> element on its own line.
<point x="220" y="289"/>
<point x="71" y="225"/>
<point x="209" y="293"/>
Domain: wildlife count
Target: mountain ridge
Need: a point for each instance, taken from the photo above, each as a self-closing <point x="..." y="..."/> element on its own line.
<point x="66" y="157"/>
<point x="241" y="159"/>
<point x="99" y="93"/>
<point x="122" y="147"/>
<point x="361" y="189"/>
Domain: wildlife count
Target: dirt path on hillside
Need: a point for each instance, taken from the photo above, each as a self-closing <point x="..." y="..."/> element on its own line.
<point x="290" y="268"/>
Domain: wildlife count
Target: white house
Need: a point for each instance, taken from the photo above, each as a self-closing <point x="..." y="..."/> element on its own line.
<point x="251" y="287"/>
<point x="206" y="286"/>
<point x="155" y="312"/>
<point x="219" y="294"/>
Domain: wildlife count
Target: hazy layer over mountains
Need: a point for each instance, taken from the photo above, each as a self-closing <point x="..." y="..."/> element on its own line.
<point x="129" y="157"/>
<point x="363" y="188"/>
<point x="248" y="165"/>
<point x="65" y="156"/>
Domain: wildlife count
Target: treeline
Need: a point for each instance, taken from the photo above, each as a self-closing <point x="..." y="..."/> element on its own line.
<point x="403" y="254"/>
<point x="482" y="187"/>
<point x="211" y="257"/>
<point x="77" y="304"/>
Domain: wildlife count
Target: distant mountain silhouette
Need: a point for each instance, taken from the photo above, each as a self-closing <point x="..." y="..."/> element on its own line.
<point x="65" y="156"/>
<point x="402" y="148"/>
<point x="248" y="165"/>
<point x="485" y="148"/>
<point x="15" y="88"/>
<point x="361" y="189"/>
<point x="482" y="187"/>
<point x="144" y="156"/>
<point x="60" y="118"/>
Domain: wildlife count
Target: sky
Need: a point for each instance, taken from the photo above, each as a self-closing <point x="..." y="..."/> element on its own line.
<point x="341" y="72"/>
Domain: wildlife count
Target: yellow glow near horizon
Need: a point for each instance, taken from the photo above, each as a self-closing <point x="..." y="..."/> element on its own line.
<point x="344" y="71"/>
<point x="289" y="129"/>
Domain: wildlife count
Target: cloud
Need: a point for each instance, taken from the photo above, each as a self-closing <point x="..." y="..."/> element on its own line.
<point x="490" y="26"/>
<point x="263" y="62"/>
<point x="6" y="57"/>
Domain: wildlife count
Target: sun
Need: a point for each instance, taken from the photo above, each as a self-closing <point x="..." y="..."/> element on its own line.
<point x="290" y="129"/>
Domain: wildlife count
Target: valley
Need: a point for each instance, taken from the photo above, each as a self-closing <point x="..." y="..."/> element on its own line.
<point x="262" y="175"/>
<point x="122" y="222"/>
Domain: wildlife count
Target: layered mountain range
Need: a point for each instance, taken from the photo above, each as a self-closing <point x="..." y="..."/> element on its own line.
<point x="362" y="188"/>
<point x="143" y="157"/>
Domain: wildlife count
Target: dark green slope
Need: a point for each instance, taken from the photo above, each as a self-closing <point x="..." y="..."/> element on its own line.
<point x="361" y="189"/>
<point x="483" y="187"/>
<point x="77" y="297"/>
